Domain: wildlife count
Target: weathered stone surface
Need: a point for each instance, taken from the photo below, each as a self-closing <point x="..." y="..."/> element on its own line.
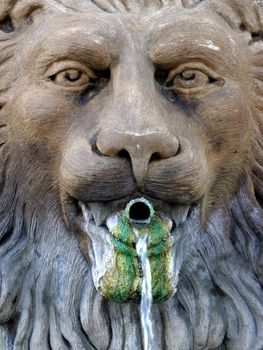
<point x="105" y="101"/>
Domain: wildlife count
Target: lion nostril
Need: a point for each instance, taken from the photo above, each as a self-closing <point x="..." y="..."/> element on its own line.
<point x="95" y="148"/>
<point x="179" y="150"/>
<point x="124" y="154"/>
<point x="155" y="157"/>
<point x="6" y="25"/>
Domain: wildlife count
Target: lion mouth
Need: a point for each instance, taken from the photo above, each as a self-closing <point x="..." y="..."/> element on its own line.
<point x="101" y="218"/>
<point x="101" y="214"/>
<point x="111" y="246"/>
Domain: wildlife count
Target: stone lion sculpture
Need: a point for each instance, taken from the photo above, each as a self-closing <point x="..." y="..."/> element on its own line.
<point x="106" y="101"/>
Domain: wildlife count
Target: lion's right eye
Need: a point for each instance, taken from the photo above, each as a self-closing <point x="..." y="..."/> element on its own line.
<point x="71" y="75"/>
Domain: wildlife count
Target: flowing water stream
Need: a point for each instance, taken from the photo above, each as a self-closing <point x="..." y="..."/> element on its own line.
<point x="146" y="288"/>
<point x="146" y="293"/>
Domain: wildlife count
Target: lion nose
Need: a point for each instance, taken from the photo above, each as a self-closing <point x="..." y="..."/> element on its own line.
<point x="139" y="148"/>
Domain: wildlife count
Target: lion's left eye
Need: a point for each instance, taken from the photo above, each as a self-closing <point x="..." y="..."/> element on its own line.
<point x="189" y="79"/>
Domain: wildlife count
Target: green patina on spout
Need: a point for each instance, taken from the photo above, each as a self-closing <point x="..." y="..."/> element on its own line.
<point x="124" y="281"/>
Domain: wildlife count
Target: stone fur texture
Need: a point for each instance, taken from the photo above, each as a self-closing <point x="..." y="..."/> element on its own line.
<point x="81" y="84"/>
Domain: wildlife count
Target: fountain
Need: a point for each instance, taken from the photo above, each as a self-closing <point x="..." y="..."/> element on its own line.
<point x="141" y="225"/>
<point x="146" y="292"/>
<point x="136" y="262"/>
<point x="140" y="213"/>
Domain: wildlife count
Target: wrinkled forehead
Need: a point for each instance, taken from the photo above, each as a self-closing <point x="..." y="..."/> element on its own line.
<point x="176" y="32"/>
<point x="162" y="33"/>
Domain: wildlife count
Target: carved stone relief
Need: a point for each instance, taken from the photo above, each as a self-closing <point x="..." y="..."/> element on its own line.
<point x="122" y="119"/>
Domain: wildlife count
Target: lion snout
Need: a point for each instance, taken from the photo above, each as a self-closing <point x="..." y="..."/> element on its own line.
<point x="139" y="149"/>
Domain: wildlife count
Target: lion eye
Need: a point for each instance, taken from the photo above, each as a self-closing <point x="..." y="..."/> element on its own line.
<point x="189" y="79"/>
<point x="71" y="75"/>
<point x="71" y="78"/>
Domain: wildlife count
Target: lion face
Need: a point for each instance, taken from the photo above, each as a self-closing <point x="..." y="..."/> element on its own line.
<point x="114" y="113"/>
<point x="133" y="106"/>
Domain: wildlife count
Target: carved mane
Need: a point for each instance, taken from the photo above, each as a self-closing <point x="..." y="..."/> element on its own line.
<point x="47" y="298"/>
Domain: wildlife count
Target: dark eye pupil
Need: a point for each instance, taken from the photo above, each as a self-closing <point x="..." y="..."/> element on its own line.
<point x="73" y="76"/>
<point x="187" y="76"/>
